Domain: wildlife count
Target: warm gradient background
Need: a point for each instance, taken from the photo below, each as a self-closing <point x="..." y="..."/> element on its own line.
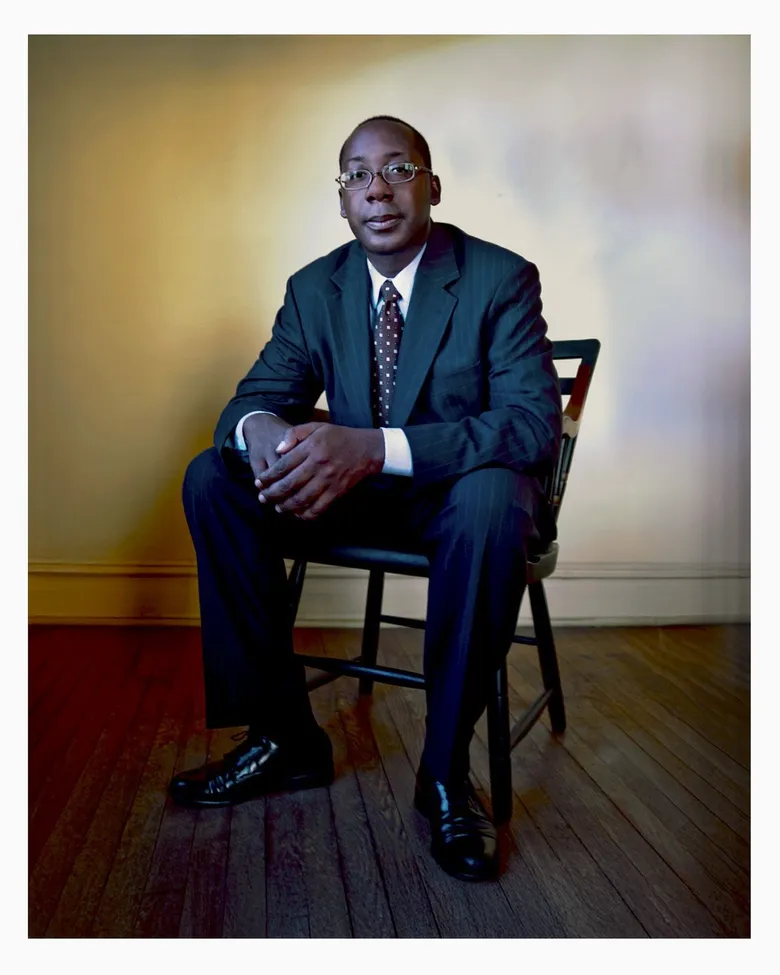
<point x="176" y="182"/>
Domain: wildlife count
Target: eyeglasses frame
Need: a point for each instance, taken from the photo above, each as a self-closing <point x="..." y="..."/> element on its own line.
<point x="380" y="172"/>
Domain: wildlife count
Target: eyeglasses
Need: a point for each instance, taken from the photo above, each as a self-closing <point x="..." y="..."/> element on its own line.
<point x="394" y="172"/>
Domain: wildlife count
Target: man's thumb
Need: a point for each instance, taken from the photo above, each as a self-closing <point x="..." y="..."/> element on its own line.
<point x="288" y="441"/>
<point x="293" y="436"/>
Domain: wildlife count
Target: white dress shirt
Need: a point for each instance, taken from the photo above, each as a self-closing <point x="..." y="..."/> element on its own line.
<point x="398" y="454"/>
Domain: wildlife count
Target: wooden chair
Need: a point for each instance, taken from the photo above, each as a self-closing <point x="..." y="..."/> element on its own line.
<point x="378" y="561"/>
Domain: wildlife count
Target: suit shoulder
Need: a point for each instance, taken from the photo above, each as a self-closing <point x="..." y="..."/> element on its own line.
<point x="322" y="268"/>
<point x="483" y="253"/>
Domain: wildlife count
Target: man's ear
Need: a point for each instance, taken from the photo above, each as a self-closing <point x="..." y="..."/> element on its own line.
<point x="435" y="191"/>
<point x="342" y="211"/>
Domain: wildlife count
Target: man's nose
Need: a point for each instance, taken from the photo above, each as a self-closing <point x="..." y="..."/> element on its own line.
<point x="378" y="189"/>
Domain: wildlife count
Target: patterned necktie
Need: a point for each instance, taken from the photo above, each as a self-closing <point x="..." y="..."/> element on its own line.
<point x="387" y="340"/>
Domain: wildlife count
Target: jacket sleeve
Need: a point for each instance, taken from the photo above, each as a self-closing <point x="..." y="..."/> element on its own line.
<point x="282" y="380"/>
<point x="521" y="429"/>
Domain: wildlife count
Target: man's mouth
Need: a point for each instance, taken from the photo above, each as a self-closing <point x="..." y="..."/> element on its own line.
<point x="384" y="222"/>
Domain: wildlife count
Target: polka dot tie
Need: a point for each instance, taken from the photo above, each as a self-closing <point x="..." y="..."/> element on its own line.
<point x="387" y="340"/>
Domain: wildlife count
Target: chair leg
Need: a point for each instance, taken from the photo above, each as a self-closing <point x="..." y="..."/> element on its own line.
<point x="376" y="584"/>
<point x="499" y="750"/>
<point x="295" y="586"/>
<point x="548" y="659"/>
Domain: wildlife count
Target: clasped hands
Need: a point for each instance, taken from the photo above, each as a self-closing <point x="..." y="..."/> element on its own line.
<point x="319" y="462"/>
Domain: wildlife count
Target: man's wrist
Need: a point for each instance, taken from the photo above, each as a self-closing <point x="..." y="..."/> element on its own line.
<point x="378" y="442"/>
<point x="240" y="439"/>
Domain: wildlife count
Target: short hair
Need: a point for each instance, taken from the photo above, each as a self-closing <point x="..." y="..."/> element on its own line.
<point x="420" y="142"/>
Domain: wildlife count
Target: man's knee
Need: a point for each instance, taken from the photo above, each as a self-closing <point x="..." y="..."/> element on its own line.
<point x="494" y="500"/>
<point x="204" y="475"/>
<point x="210" y="485"/>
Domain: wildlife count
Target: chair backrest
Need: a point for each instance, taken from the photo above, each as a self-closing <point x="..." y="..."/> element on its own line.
<point x="587" y="351"/>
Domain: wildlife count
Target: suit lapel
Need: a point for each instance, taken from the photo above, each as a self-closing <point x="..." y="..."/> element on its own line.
<point x="429" y="311"/>
<point x="351" y="334"/>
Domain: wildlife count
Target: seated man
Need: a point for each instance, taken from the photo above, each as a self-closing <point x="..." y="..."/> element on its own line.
<point x="445" y="418"/>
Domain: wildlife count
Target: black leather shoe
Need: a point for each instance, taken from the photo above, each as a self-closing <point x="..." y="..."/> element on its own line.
<point x="258" y="766"/>
<point x="463" y="840"/>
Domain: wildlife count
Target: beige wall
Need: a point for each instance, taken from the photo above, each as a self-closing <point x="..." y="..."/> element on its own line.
<point x="175" y="183"/>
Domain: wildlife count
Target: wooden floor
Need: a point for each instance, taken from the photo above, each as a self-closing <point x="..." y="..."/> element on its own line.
<point x="635" y="824"/>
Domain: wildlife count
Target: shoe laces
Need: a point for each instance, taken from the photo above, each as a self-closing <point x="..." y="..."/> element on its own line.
<point x="245" y="742"/>
<point x="463" y="802"/>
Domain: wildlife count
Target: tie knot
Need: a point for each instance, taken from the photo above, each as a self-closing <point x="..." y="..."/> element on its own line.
<point x="389" y="292"/>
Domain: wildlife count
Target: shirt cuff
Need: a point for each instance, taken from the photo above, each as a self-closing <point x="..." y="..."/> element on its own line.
<point x="239" y="432"/>
<point x="398" y="453"/>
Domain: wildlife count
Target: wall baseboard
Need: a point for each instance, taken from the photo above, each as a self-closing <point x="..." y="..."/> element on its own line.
<point x="579" y="594"/>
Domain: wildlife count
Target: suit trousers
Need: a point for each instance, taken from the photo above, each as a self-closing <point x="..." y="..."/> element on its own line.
<point x="476" y="530"/>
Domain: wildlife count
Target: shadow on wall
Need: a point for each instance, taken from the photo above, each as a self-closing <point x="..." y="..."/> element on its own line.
<point x="158" y="252"/>
<point x="159" y="542"/>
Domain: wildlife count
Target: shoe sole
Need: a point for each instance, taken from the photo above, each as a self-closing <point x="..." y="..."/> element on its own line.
<point x="296" y="783"/>
<point x="473" y="878"/>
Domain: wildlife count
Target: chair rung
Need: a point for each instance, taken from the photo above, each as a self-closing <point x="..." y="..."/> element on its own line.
<point x="529" y="641"/>
<point x="529" y="718"/>
<point x="403" y="621"/>
<point x="320" y="680"/>
<point x="353" y="668"/>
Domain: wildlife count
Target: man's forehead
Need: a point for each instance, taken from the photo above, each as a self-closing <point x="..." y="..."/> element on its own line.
<point x="385" y="138"/>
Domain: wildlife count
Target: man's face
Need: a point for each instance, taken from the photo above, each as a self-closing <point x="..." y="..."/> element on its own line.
<point x="387" y="218"/>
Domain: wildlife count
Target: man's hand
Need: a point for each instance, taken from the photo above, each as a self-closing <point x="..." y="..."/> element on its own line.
<point x="263" y="433"/>
<point x="320" y="462"/>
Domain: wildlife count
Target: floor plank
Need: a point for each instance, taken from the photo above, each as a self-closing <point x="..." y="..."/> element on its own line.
<point x="461" y="910"/>
<point x="712" y="813"/>
<point x="245" y="899"/>
<point x="667" y="724"/>
<point x="662" y="840"/>
<point x="711" y="719"/>
<point x="161" y="907"/>
<point x="81" y="895"/>
<point x="635" y="823"/>
<point x="54" y="864"/>
<point x="53" y="776"/>
<point x="287" y="902"/>
<point x="363" y="884"/>
<point x="703" y="833"/>
<point x="616" y="709"/>
<point x="408" y="899"/>
<point x="560" y="864"/>
<point x="121" y="899"/>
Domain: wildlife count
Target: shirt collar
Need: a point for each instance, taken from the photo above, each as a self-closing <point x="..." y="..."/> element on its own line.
<point x="403" y="281"/>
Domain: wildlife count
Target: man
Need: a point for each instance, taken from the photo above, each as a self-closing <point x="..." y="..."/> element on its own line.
<point x="445" y="416"/>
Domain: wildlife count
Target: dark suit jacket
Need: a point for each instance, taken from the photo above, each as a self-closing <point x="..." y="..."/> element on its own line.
<point x="475" y="385"/>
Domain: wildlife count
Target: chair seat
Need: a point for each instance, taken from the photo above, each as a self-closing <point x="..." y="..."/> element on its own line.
<point x="408" y="563"/>
<point x="364" y="557"/>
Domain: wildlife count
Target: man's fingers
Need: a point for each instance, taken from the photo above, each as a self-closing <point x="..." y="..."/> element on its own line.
<point x="279" y="469"/>
<point x="282" y="488"/>
<point x="259" y="466"/>
<point x="276" y="467"/>
<point x="290" y="439"/>
<point x="294" y="449"/>
<point x="319" y="506"/>
<point x="291" y="484"/>
<point x="304" y="497"/>
<point x="294" y="436"/>
<point x="284" y="465"/>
